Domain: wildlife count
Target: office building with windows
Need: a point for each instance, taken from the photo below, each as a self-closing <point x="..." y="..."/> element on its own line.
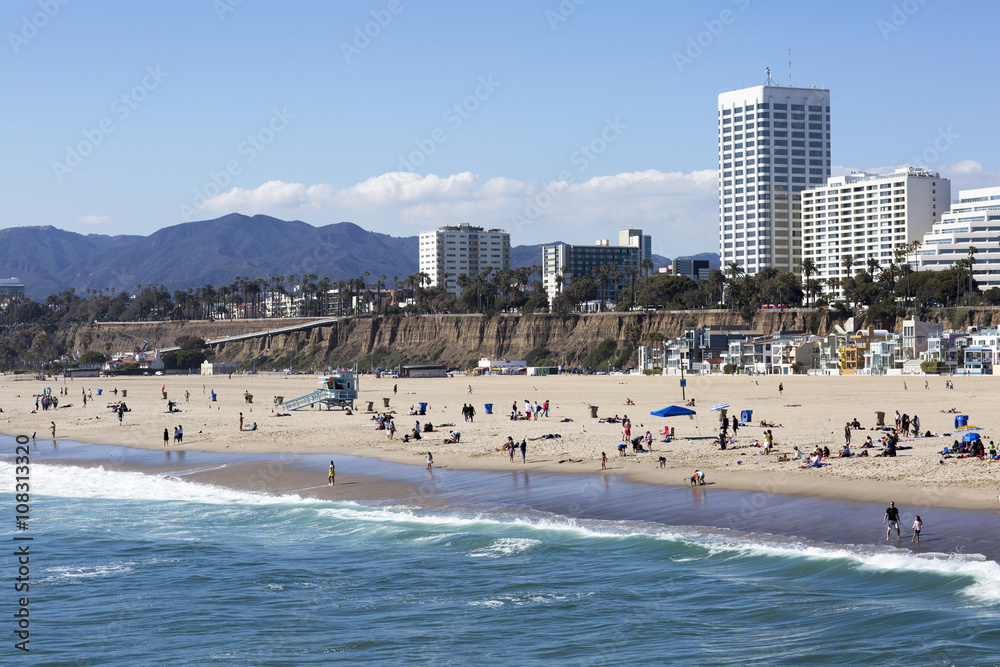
<point x="869" y="218"/>
<point x="972" y="222"/>
<point x="695" y="269"/>
<point x="448" y="252"/>
<point x="561" y="263"/>
<point x="774" y="142"/>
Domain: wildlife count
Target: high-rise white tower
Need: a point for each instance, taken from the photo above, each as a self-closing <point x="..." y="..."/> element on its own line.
<point x="774" y="141"/>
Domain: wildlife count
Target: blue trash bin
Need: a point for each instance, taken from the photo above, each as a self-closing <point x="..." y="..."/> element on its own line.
<point x="99" y="391"/>
<point x="213" y="397"/>
<point x="746" y="416"/>
<point x="423" y="408"/>
<point x="961" y="421"/>
<point x="488" y="407"/>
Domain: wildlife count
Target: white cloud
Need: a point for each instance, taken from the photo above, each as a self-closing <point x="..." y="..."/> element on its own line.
<point x="94" y="220"/>
<point x="680" y="210"/>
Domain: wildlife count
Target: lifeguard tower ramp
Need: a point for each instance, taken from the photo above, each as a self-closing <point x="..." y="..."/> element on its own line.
<point x="339" y="389"/>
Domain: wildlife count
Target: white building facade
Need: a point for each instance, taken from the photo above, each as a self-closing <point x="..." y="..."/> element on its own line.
<point x="972" y="221"/>
<point x="774" y="142"/>
<point x="869" y="217"/>
<point x="448" y="252"/>
<point x="644" y="242"/>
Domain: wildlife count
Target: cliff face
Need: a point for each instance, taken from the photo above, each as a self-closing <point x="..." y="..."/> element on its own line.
<point x="447" y="339"/>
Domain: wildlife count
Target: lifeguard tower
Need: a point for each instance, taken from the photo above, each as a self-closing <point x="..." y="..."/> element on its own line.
<point x="339" y="389"/>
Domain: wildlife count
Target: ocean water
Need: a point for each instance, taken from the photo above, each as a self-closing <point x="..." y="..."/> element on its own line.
<point x="131" y="568"/>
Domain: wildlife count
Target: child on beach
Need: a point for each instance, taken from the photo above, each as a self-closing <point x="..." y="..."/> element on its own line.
<point x="917" y="527"/>
<point x="604" y="461"/>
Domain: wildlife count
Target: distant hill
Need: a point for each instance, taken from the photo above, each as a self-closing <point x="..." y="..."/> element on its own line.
<point x="192" y="254"/>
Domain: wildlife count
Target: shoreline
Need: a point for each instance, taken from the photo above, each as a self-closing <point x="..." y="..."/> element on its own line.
<point x="915" y="478"/>
<point x="536" y="495"/>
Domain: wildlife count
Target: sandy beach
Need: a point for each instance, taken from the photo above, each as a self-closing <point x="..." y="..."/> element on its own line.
<point x="811" y="411"/>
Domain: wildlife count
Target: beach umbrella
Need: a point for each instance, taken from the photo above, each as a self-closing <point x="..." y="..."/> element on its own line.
<point x="970" y="437"/>
<point x="719" y="406"/>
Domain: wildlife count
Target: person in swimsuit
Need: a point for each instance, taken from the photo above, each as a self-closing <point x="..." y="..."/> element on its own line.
<point x="329" y="479"/>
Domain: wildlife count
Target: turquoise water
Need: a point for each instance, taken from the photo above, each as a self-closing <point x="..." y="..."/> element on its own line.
<point x="135" y="569"/>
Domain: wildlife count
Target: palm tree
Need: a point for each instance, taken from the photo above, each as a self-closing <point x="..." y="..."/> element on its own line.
<point x="646" y="266"/>
<point x="735" y="271"/>
<point x="808" y="269"/>
<point x="972" y="262"/>
<point x="873" y="266"/>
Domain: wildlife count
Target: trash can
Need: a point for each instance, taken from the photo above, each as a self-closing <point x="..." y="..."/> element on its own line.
<point x="961" y="421"/>
<point x="279" y="400"/>
<point x="213" y="397"/>
<point x="879" y="418"/>
<point x="746" y="416"/>
<point x="124" y="393"/>
<point x="385" y="402"/>
<point x="371" y="405"/>
<point x="423" y="408"/>
<point x="488" y="407"/>
<point x="164" y="395"/>
<point x="593" y="411"/>
<point x="99" y="391"/>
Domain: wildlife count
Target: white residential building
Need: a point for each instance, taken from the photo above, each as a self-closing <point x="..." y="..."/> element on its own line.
<point x="774" y="142"/>
<point x="448" y="252"/>
<point x="869" y="217"/>
<point x="972" y="221"/>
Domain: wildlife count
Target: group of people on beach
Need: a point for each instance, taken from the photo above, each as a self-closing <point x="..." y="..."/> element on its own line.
<point x="511" y="447"/>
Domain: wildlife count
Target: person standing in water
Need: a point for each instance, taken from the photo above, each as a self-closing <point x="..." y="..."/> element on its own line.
<point x="891" y="520"/>
<point x="333" y="472"/>
<point x="430" y="461"/>
<point x="918" y="525"/>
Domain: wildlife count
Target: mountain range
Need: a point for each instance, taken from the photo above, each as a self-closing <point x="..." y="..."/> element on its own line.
<point x="192" y="254"/>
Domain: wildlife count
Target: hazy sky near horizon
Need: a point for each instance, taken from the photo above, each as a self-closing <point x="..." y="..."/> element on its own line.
<point x="554" y="120"/>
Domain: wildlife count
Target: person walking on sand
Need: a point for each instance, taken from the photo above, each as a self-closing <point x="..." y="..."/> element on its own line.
<point x="394" y="390"/>
<point x="513" y="446"/>
<point x="604" y="461"/>
<point x="918" y="525"/>
<point x="390" y="428"/>
<point x="891" y="520"/>
<point x="53" y="430"/>
<point x="470" y="388"/>
<point x="847" y="434"/>
<point x="241" y="421"/>
<point x="430" y="461"/>
<point x="524" y="449"/>
<point x="166" y="437"/>
<point x="333" y="472"/>
<point x="781" y="389"/>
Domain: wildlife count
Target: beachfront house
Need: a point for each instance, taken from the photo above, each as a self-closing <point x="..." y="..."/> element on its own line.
<point x="916" y="334"/>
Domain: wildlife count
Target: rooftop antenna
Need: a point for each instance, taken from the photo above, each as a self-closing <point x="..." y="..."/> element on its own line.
<point x="789" y="68"/>
<point x="770" y="81"/>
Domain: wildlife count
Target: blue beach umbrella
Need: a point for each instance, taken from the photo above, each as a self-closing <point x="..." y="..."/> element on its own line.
<point x="970" y="437"/>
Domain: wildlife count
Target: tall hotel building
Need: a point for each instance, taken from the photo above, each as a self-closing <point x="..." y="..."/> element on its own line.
<point x="448" y="252"/>
<point x="869" y="217"/>
<point x="774" y="142"/>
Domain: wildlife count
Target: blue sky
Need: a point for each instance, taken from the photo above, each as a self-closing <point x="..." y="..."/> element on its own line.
<point x="555" y="120"/>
